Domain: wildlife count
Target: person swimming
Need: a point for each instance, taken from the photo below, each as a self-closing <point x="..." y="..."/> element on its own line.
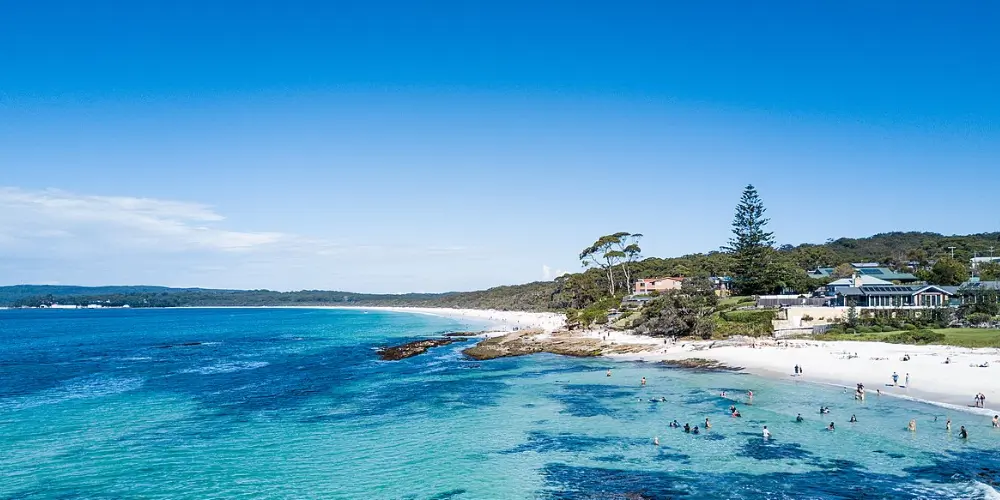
<point x="732" y="408"/>
<point x="708" y="425"/>
<point x="663" y="399"/>
<point x="912" y="426"/>
<point x="656" y="441"/>
<point x="687" y="427"/>
<point x="831" y="427"/>
<point x="609" y="373"/>
<point x="962" y="433"/>
<point x="799" y="418"/>
<point x="674" y="424"/>
<point x="737" y="414"/>
<point x="695" y="431"/>
<point x="767" y="433"/>
<point x="854" y="419"/>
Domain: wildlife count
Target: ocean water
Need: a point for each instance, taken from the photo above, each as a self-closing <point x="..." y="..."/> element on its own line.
<point x="293" y="403"/>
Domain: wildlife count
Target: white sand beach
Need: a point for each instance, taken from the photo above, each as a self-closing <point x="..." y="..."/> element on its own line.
<point x="500" y="320"/>
<point x="848" y="363"/>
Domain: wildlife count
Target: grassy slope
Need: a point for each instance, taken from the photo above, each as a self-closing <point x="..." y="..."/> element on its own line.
<point x="962" y="337"/>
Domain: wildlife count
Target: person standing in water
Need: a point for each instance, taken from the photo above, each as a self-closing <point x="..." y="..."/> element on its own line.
<point x="799" y="418"/>
<point x="996" y="421"/>
<point x="962" y="433"/>
<point x="947" y="425"/>
<point x="767" y="433"/>
<point x="609" y="372"/>
<point x="912" y="426"/>
<point x="854" y="419"/>
<point x="831" y="427"/>
<point x="708" y="425"/>
<point x="643" y="381"/>
<point x="656" y="441"/>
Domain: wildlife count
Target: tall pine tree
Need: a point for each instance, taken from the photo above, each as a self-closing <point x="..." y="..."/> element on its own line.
<point x="752" y="247"/>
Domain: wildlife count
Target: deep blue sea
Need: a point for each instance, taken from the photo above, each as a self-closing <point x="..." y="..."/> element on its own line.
<point x="293" y="403"/>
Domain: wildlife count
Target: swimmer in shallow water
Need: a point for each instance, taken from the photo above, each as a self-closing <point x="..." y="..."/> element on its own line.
<point x="831" y="427"/>
<point x="656" y="441"/>
<point x="799" y="418"/>
<point x="962" y="433"/>
<point x="854" y="419"/>
<point x="687" y="427"/>
<point x="708" y="425"/>
<point x="912" y="426"/>
<point x="695" y="431"/>
<point x="767" y="433"/>
<point x="947" y="425"/>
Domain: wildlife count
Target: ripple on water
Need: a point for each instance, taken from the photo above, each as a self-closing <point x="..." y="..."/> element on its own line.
<point x="91" y="386"/>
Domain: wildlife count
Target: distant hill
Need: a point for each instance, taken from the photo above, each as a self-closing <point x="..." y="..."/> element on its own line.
<point x="570" y="291"/>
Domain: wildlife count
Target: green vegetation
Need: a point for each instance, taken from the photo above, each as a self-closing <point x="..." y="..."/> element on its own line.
<point x="962" y="337"/>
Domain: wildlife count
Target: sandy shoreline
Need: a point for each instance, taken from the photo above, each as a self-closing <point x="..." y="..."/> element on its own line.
<point x="952" y="385"/>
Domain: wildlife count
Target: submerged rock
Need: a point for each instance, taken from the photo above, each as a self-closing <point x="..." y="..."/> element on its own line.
<point x="463" y="334"/>
<point x="410" y="349"/>
<point x="701" y="364"/>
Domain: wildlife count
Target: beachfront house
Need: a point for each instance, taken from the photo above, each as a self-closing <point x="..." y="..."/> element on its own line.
<point x="976" y="291"/>
<point x="866" y="269"/>
<point x="659" y="285"/>
<point x="894" y="296"/>
<point x="830" y="290"/>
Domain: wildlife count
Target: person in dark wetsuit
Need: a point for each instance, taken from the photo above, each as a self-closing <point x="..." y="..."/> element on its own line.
<point x="799" y="418"/>
<point x="962" y="433"/>
<point x="687" y="428"/>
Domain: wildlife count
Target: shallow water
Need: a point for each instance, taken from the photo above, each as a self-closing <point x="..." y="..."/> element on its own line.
<point x="228" y="403"/>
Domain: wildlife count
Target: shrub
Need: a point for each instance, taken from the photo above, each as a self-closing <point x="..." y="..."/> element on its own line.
<point x="877" y="329"/>
<point x="865" y="329"/>
<point x="909" y="326"/>
<point x="850" y="330"/>
<point x="977" y="318"/>
<point x="916" y="337"/>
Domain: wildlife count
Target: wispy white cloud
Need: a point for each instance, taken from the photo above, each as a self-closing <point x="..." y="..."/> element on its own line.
<point x="55" y="235"/>
<point x="95" y="222"/>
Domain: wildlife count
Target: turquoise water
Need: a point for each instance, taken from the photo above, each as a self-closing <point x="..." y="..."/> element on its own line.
<point x="282" y="403"/>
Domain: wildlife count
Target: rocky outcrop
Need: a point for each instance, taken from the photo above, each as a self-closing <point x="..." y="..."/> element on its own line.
<point x="463" y="334"/>
<point x="701" y="364"/>
<point x="410" y="349"/>
<point x="535" y="341"/>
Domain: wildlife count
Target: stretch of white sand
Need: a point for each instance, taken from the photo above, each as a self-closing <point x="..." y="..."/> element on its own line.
<point x="499" y="320"/>
<point x="954" y="384"/>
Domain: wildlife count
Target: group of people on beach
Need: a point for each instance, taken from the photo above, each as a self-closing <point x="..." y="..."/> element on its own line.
<point x="980" y="400"/>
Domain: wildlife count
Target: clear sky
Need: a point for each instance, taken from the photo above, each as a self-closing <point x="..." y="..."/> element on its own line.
<point x="430" y="146"/>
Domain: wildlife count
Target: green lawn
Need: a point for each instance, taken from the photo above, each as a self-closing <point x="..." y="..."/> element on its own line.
<point x="963" y="337"/>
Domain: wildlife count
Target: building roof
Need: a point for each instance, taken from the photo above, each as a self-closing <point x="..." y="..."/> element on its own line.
<point x="980" y="285"/>
<point x="878" y="290"/>
<point x="865" y="280"/>
<point x="858" y="265"/>
<point x="883" y="273"/>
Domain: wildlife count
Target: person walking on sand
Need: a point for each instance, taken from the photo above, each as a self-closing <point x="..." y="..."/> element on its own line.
<point x="907" y="380"/>
<point x="895" y="378"/>
<point x="796" y="369"/>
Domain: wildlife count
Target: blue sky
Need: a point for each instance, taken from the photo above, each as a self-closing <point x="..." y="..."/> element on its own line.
<point x="388" y="147"/>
